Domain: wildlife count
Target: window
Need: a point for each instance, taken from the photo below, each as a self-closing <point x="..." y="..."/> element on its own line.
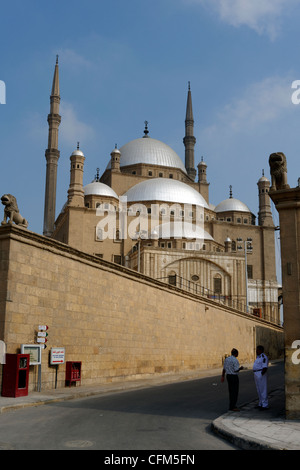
<point x="169" y="244"/>
<point x="250" y="271"/>
<point x="117" y="259"/>
<point x="99" y="234"/>
<point x="160" y="175"/>
<point x="195" y="278"/>
<point x="217" y="285"/>
<point x="117" y="237"/>
<point x="172" y="279"/>
<point x="150" y="173"/>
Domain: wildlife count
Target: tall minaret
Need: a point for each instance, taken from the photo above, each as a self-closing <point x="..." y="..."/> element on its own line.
<point x="189" y="140"/>
<point x="52" y="156"/>
<point x="265" y="212"/>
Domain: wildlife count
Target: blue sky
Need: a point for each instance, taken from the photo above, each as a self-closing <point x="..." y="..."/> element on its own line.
<point x="122" y="63"/>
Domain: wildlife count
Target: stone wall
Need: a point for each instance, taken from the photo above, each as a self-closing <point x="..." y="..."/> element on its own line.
<point x="120" y="324"/>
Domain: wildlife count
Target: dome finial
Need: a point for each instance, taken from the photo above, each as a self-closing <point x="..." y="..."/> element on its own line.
<point x="56" y="58"/>
<point x="146" y="132"/>
<point x="77" y="145"/>
<point x="97" y="175"/>
<point x="189" y="86"/>
<point x="230" y="192"/>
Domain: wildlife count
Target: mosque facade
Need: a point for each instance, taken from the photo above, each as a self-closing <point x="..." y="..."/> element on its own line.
<point x="151" y="213"/>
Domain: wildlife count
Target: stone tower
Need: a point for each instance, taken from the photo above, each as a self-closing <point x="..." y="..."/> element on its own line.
<point x="189" y="140"/>
<point x="76" y="191"/>
<point x="52" y="156"/>
<point x="265" y="213"/>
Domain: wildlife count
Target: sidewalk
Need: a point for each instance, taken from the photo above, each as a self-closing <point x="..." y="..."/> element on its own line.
<point x="248" y="429"/>
<point x="253" y="429"/>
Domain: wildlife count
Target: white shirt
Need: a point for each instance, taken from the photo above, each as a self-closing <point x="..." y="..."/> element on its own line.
<point x="261" y="362"/>
<point x="231" y="365"/>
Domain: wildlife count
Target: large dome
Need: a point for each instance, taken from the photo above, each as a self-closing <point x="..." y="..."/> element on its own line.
<point x="231" y="204"/>
<point x="165" y="190"/>
<point x="149" y="151"/>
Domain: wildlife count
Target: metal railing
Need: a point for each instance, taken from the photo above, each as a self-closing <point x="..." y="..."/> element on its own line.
<point x="195" y="288"/>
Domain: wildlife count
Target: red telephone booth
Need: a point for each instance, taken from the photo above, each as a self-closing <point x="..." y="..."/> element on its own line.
<point x="15" y="375"/>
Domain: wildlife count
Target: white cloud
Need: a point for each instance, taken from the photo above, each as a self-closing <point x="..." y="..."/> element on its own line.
<point x="261" y="103"/>
<point x="72" y="129"/>
<point x="263" y="16"/>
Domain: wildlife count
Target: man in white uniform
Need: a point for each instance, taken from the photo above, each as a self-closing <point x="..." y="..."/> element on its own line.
<point x="260" y="368"/>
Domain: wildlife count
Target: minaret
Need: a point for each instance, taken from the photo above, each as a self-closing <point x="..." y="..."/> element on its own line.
<point x="52" y="156"/>
<point x="115" y="159"/>
<point x="76" y="191"/>
<point x="265" y="212"/>
<point x="189" y="140"/>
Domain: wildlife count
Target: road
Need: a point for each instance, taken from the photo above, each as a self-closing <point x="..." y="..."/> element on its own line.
<point x="167" y="417"/>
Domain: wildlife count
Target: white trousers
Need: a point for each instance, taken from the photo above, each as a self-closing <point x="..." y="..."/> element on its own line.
<point x="262" y="389"/>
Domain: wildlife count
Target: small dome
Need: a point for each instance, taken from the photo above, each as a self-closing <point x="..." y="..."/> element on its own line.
<point x="263" y="179"/>
<point x="78" y="152"/>
<point x="230" y="205"/>
<point x="149" y="151"/>
<point x="115" y="150"/>
<point x="165" y="190"/>
<point x="99" y="189"/>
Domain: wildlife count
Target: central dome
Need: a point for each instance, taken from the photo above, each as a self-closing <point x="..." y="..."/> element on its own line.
<point x="165" y="190"/>
<point x="149" y="151"/>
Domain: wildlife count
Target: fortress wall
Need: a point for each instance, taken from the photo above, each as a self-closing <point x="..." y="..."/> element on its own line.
<point x="121" y="325"/>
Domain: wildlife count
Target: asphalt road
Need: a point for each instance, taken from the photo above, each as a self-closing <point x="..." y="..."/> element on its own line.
<point x="165" y="418"/>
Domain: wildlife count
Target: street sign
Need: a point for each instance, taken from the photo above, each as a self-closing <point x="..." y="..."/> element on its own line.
<point x="42" y="334"/>
<point x="57" y="356"/>
<point x="43" y="327"/>
<point x="41" y="340"/>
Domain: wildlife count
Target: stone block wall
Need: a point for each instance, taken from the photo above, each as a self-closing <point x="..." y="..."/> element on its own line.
<point x="121" y="325"/>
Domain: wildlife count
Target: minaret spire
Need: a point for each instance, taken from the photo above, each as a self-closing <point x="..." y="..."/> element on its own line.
<point x="52" y="155"/>
<point x="189" y="140"/>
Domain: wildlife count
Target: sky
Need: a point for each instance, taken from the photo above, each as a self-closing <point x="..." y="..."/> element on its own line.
<point x="122" y="63"/>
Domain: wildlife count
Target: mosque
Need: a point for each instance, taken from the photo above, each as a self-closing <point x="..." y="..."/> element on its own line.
<point x="151" y="213"/>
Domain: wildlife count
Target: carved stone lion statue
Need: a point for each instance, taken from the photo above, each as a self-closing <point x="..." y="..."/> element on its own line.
<point x="278" y="170"/>
<point x="11" y="211"/>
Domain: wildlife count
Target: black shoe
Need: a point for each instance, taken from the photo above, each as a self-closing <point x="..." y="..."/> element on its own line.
<point x="263" y="408"/>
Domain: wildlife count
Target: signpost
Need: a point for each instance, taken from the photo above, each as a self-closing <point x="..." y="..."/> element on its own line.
<point x="57" y="356"/>
<point x="42" y="340"/>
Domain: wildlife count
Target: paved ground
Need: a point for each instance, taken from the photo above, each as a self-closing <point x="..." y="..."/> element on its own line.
<point x="248" y="429"/>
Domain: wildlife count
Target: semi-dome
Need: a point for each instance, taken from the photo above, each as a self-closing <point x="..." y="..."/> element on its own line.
<point x="231" y="204"/>
<point x="149" y="151"/>
<point x="165" y="190"/>
<point x="99" y="189"/>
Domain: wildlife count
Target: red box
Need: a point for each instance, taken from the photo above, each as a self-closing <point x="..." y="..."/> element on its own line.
<point x="15" y="375"/>
<point x="73" y="372"/>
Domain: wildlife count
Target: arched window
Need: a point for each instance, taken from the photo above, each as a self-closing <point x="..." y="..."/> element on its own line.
<point x="218" y="284"/>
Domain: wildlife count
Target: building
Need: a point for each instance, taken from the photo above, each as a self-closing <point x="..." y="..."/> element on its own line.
<point x="151" y="212"/>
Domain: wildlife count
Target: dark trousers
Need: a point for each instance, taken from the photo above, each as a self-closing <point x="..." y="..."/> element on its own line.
<point x="233" y="388"/>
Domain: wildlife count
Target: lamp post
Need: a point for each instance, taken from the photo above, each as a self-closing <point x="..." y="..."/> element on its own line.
<point x="141" y="235"/>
